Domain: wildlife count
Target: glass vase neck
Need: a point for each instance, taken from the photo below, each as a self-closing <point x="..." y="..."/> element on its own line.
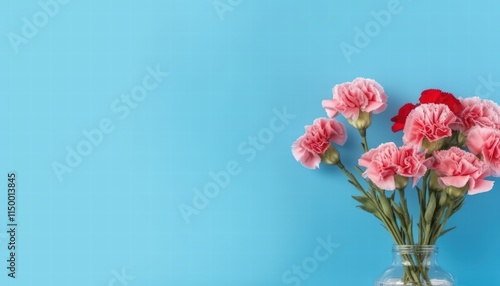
<point x="407" y="255"/>
<point x="412" y="249"/>
<point x="414" y="265"/>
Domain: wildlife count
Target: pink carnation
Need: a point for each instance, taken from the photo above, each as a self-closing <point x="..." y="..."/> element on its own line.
<point x="309" y="147"/>
<point x="411" y="163"/>
<point x="386" y="161"/>
<point x="477" y="112"/>
<point x="428" y="121"/>
<point x="486" y="141"/>
<point x="456" y="167"/>
<point x="351" y="98"/>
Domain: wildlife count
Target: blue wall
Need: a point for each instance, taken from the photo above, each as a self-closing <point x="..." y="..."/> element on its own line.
<point x="207" y="79"/>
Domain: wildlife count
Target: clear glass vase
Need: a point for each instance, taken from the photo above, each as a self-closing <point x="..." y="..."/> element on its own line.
<point x="415" y="265"/>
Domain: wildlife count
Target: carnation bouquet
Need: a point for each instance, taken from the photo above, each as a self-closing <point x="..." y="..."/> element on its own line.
<point x="450" y="148"/>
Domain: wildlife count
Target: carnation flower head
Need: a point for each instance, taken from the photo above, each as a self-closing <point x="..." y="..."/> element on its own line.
<point x="477" y="112"/>
<point x="387" y="162"/>
<point x="309" y="148"/>
<point x="353" y="98"/>
<point x="440" y="97"/>
<point x="436" y="96"/>
<point x="485" y="142"/>
<point x="461" y="169"/>
<point x="428" y="125"/>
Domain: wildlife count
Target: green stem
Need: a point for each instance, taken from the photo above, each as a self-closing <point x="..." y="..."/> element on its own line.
<point x="446" y="217"/>
<point x="362" y="132"/>
<point x="407" y="227"/>
<point x="438" y="219"/>
<point x="413" y="271"/>
<point x="353" y="179"/>
<point x="422" y="226"/>
<point x="423" y="203"/>
<point x="388" y="222"/>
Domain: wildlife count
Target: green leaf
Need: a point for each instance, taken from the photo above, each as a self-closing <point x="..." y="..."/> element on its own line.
<point x="458" y="205"/>
<point x="368" y="209"/>
<point x="427" y="231"/>
<point x="359" y="188"/>
<point x="409" y="227"/>
<point x="431" y="207"/>
<point x="447" y="230"/>
<point x="372" y="185"/>
<point x="386" y="206"/>
<point x="397" y="208"/>
<point x="362" y="199"/>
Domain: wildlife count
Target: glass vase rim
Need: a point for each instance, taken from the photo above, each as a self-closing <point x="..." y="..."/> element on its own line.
<point x="415" y="248"/>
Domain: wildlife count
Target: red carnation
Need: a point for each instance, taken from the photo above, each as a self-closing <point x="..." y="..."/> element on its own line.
<point x="428" y="96"/>
<point x="400" y="119"/>
<point x="439" y="97"/>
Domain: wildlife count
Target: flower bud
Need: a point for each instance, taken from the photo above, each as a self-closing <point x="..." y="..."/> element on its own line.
<point x="432" y="146"/>
<point x="462" y="139"/>
<point x="331" y="156"/>
<point x="433" y="182"/>
<point x="364" y="120"/>
<point x="401" y="182"/>
<point x="443" y="200"/>
<point x="455" y="192"/>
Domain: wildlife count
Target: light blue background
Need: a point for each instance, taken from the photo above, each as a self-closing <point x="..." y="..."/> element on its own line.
<point x="118" y="209"/>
